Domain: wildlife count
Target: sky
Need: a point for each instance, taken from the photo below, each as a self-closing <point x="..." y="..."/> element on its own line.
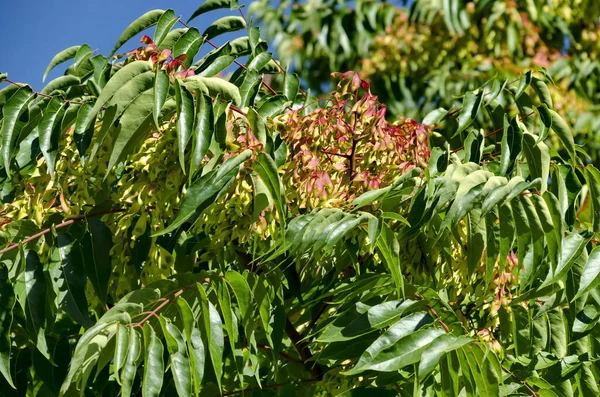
<point x="32" y="32"/>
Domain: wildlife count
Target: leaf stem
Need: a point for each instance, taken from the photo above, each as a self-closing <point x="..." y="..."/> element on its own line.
<point x="60" y="225"/>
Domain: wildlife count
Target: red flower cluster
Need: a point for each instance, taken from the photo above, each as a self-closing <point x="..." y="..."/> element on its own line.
<point x="162" y="58"/>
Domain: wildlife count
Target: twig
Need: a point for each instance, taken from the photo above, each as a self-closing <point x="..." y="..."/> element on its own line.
<point x="302" y="348"/>
<point x="521" y="381"/>
<point x="44" y="95"/>
<point x="434" y="313"/>
<point x="154" y="312"/>
<point x="60" y="225"/>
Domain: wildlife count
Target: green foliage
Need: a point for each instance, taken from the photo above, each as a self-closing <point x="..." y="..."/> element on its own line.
<point x="175" y="225"/>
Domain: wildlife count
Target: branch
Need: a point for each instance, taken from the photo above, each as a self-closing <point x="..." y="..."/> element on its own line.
<point x="521" y="381"/>
<point x="60" y="225"/>
<point x="45" y="95"/>
<point x="302" y="348"/>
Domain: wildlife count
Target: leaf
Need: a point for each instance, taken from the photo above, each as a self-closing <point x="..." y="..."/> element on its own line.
<point x="538" y="159"/>
<point x="406" y="351"/>
<point x="63" y="56"/>
<point x="203" y="131"/>
<point x="470" y="107"/>
<point x="49" y="132"/>
<point x="213" y="328"/>
<point x="213" y="86"/>
<point x="266" y="169"/>
<point x="389" y="247"/>
<point x="142" y="23"/>
<point x="130" y="367"/>
<point x="136" y="122"/>
<point x="195" y="344"/>
<point x="185" y="120"/>
<point x="291" y="85"/>
<point x="512" y="138"/>
<point x="188" y="44"/>
<point x="590" y="275"/>
<point x="118" y="81"/>
<point x="437" y="349"/>
<point x="154" y="366"/>
<point x="61" y="83"/>
<point x="35" y="299"/>
<point x="180" y="362"/>
<point x="224" y="25"/>
<point x="206" y="190"/>
<point x="11" y="113"/>
<point x="215" y="67"/>
<point x="564" y="133"/>
<point x="69" y="279"/>
<point x="161" y="91"/>
<point x="572" y="247"/>
<point x="94" y="246"/>
<point x="377" y="317"/>
<point x="243" y="296"/>
<point x="543" y="92"/>
<point x="210" y="5"/>
<point x="121" y="348"/>
<point x="164" y="25"/>
<point x="7" y="303"/>
<point x="83" y="134"/>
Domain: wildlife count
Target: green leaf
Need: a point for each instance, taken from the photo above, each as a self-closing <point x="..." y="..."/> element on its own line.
<point x="49" y="132"/>
<point x="34" y="299"/>
<point x="224" y="25"/>
<point x="590" y="275"/>
<point x="512" y="138"/>
<point x="377" y="317"/>
<point x="543" y="92"/>
<point x="388" y="245"/>
<point x="136" y="122"/>
<point x="470" y="107"/>
<point x="213" y="86"/>
<point x="215" y="67"/>
<point x="210" y="5"/>
<point x="7" y="303"/>
<point x="63" y="56"/>
<point x="83" y="133"/>
<point x="142" y="23"/>
<point x="161" y="91"/>
<point x="203" y="131"/>
<point x="121" y="348"/>
<point x="11" y="123"/>
<point x="266" y="169"/>
<point x="437" y="349"/>
<point x="61" y="83"/>
<point x="188" y="44"/>
<point x="407" y="350"/>
<point x="180" y="362"/>
<point x="572" y="247"/>
<point x="164" y="25"/>
<point x="69" y="279"/>
<point x="206" y="190"/>
<point x="291" y="85"/>
<point x="564" y="133"/>
<point x="538" y="159"/>
<point x="94" y="246"/>
<point x="130" y="367"/>
<point x="592" y="176"/>
<point x="119" y="81"/>
<point x="195" y="344"/>
<point x="3" y="76"/>
<point x="213" y="328"/>
<point x="154" y="366"/>
<point x="243" y="296"/>
<point x="131" y="90"/>
<point x="185" y="120"/>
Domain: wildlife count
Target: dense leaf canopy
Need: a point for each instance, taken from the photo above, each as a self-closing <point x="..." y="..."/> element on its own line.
<point x="406" y="204"/>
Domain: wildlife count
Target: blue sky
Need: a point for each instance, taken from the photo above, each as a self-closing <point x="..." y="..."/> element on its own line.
<point x="32" y="32"/>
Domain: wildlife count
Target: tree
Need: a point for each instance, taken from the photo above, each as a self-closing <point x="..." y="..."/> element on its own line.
<point x="177" y="224"/>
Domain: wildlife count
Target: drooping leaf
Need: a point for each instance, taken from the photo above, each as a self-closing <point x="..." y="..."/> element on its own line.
<point x="213" y="86"/>
<point x="63" y="56"/>
<point x="164" y="25"/>
<point x="11" y="113"/>
<point x="213" y="327"/>
<point x="140" y="24"/>
<point x="161" y="91"/>
<point x="153" y="363"/>
<point x="185" y="120"/>
<point x="224" y="25"/>
<point x="210" y="5"/>
<point x="206" y="189"/>
<point x="49" y="132"/>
